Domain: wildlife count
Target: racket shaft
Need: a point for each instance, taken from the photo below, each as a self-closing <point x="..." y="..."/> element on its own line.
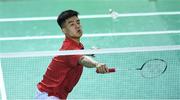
<point x="111" y="70"/>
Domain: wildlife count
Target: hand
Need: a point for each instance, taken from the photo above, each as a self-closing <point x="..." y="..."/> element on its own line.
<point x="102" y="68"/>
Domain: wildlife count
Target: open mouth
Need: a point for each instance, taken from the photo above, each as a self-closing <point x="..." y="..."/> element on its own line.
<point x="79" y="31"/>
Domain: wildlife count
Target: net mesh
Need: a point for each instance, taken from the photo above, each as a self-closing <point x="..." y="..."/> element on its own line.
<point x="22" y="73"/>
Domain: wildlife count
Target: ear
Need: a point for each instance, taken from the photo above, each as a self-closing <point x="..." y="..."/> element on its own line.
<point x="64" y="30"/>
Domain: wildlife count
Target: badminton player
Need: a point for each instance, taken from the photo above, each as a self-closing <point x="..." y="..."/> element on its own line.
<point x="64" y="72"/>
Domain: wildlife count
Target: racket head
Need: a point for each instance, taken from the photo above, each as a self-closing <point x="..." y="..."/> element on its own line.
<point x="153" y="68"/>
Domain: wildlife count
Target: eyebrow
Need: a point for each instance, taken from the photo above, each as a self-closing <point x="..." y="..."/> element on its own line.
<point x="78" y="20"/>
<point x="73" y="21"/>
<point x="70" y="22"/>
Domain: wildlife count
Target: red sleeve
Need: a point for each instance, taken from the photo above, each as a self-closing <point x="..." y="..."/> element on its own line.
<point x="74" y="60"/>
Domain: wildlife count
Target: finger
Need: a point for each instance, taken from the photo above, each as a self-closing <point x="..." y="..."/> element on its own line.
<point x="104" y="69"/>
<point x="101" y="70"/>
<point x="107" y="69"/>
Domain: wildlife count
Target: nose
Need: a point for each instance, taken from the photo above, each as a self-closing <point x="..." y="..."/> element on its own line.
<point x="78" y="25"/>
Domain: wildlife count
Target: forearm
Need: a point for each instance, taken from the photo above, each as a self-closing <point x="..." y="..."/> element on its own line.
<point x="88" y="62"/>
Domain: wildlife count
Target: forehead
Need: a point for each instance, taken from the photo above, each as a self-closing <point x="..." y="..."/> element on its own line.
<point x="72" y="19"/>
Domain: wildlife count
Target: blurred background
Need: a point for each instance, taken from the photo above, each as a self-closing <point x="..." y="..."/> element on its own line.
<point x="30" y="26"/>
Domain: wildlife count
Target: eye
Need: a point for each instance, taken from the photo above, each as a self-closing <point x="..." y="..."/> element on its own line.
<point x="78" y="22"/>
<point x="72" y="24"/>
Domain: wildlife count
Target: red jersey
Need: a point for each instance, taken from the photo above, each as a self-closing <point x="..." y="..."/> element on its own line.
<point x="63" y="72"/>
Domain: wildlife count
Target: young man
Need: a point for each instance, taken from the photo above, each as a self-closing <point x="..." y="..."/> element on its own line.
<point x="64" y="72"/>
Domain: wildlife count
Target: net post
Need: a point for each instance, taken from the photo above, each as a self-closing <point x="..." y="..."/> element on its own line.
<point x="2" y="85"/>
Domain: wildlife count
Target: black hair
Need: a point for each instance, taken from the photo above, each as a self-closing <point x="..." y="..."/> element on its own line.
<point x="65" y="15"/>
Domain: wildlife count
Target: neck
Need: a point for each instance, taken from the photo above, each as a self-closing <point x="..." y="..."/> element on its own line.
<point x="75" y="39"/>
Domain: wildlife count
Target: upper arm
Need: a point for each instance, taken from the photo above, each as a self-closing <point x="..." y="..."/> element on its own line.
<point x="74" y="60"/>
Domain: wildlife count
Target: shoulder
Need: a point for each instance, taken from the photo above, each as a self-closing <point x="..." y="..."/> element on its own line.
<point x="66" y="46"/>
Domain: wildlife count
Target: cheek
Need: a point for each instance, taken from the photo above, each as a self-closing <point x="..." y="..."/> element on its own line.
<point x="72" y="31"/>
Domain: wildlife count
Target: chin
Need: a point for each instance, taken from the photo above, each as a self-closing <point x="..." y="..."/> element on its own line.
<point x="78" y="37"/>
<point x="80" y="34"/>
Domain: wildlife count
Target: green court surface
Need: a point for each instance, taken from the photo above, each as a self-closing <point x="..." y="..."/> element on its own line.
<point x="22" y="74"/>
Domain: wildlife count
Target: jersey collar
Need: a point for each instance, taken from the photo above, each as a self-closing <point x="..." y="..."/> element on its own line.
<point x="79" y="45"/>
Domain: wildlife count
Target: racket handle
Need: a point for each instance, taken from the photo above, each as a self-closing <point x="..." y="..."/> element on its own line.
<point x="111" y="70"/>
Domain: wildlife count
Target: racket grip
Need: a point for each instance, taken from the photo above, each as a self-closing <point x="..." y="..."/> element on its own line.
<point x="111" y="70"/>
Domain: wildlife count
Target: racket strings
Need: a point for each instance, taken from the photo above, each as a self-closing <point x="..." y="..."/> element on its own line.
<point x="153" y="68"/>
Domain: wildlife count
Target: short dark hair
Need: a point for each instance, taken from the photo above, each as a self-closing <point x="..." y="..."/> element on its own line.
<point x="65" y="15"/>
